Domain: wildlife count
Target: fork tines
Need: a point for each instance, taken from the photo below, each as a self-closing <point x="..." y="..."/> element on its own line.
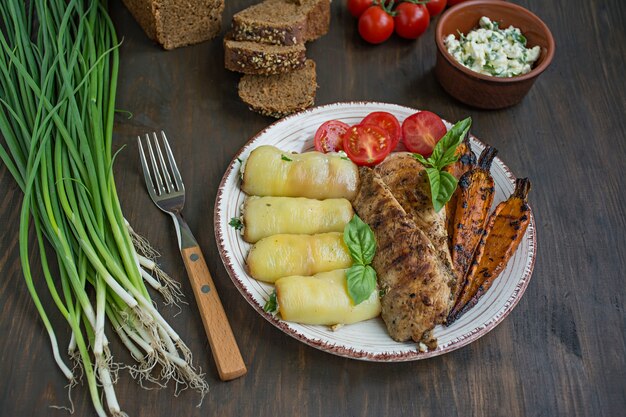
<point x="159" y="177"/>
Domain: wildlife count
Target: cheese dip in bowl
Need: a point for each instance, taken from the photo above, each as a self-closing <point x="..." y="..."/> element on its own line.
<point x="490" y="52"/>
<point x="493" y="51"/>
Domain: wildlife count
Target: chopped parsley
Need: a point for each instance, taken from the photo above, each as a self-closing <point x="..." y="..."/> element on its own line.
<point x="271" y="305"/>
<point x="236" y="223"/>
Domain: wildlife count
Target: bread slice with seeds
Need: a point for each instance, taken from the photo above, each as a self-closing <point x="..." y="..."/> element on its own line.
<point x="260" y="58"/>
<point x="281" y="94"/>
<point x="282" y="22"/>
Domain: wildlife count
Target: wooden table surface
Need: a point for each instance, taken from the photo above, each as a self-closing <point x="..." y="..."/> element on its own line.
<point x="561" y="352"/>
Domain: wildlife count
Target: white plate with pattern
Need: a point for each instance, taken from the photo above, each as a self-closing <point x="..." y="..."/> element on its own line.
<point x="367" y="340"/>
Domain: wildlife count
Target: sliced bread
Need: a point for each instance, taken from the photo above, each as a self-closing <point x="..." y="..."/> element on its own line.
<point x="173" y="23"/>
<point x="261" y="58"/>
<point x="281" y="94"/>
<point x="282" y="22"/>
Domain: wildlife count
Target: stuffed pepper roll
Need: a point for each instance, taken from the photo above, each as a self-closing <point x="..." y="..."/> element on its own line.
<point x="268" y="171"/>
<point x="267" y="216"/>
<point x="322" y="299"/>
<point x="283" y="255"/>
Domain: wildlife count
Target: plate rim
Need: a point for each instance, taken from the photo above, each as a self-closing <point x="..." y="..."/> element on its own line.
<point x="468" y="337"/>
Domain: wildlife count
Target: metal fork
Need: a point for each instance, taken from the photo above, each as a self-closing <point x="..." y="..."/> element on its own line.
<point x="167" y="191"/>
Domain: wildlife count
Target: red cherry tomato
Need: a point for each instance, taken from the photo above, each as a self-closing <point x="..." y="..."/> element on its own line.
<point x="455" y="2"/>
<point x="375" y="25"/>
<point x="421" y="132"/>
<point x="366" y="144"/>
<point x="411" y="20"/>
<point x="386" y="121"/>
<point x="357" y="7"/>
<point x="328" y="137"/>
<point x="435" y="6"/>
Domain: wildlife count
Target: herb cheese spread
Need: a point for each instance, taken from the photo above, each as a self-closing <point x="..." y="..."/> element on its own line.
<point x="493" y="51"/>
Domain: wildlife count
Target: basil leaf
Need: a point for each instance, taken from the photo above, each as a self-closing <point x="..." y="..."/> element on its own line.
<point x="421" y="160"/>
<point x="447" y="185"/>
<point x="360" y="241"/>
<point x="271" y="305"/>
<point x="434" y="179"/>
<point x="443" y="184"/>
<point x="361" y="281"/>
<point x="443" y="153"/>
<point x="284" y="158"/>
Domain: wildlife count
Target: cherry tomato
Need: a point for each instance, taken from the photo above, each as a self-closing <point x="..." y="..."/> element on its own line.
<point x="375" y="25"/>
<point x="411" y="20"/>
<point x="455" y="2"/>
<point x="435" y="6"/>
<point x="421" y="132"/>
<point x="328" y="137"/>
<point x="366" y="144"/>
<point x="386" y="121"/>
<point x="357" y="7"/>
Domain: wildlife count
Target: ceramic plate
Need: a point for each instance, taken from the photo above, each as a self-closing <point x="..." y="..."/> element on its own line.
<point x="366" y="340"/>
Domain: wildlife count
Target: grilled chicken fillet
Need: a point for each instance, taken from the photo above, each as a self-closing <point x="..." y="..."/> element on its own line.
<point x="416" y="295"/>
<point x="408" y="181"/>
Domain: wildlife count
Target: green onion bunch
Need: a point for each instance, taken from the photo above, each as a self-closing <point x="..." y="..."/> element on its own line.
<point x="58" y="75"/>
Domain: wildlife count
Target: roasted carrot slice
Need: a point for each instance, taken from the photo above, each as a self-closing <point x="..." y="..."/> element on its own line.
<point x="476" y="191"/>
<point x="466" y="162"/>
<point x="504" y="231"/>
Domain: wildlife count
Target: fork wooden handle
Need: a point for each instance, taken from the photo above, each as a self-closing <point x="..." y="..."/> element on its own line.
<point x="224" y="347"/>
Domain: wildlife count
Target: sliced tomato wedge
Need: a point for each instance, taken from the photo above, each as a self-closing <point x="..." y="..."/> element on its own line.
<point x="386" y="121"/>
<point x="329" y="136"/>
<point x="421" y="132"/>
<point x="366" y="144"/>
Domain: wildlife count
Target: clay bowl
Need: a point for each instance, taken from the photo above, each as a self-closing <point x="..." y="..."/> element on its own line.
<point x="485" y="91"/>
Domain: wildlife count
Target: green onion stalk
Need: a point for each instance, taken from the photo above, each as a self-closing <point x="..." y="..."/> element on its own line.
<point x="59" y="64"/>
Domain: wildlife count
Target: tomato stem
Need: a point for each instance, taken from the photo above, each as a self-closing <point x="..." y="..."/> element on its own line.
<point x="387" y="6"/>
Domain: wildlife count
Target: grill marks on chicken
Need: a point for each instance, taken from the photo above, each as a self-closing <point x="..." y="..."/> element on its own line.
<point x="408" y="181"/>
<point x="416" y="292"/>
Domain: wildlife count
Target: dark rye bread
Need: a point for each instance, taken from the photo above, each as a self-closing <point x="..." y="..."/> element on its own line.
<point x="174" y="23"/>
<point x="282" y="94"/>
<point x="260" y="58"/>
<point x="282" y="22"/>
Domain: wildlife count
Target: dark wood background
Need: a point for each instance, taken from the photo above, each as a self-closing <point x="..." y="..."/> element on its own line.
<point x="561" y="352"/>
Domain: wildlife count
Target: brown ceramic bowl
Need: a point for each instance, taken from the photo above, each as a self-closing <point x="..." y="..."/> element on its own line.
<point x="484" y="91"/>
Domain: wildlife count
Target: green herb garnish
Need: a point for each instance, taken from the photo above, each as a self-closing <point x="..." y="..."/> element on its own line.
<point x="271" y="305"/>
<point x="442" y="183"/>
<point x="284" y="158"/>
<point x="361" y="243"/>
<point x="361" y="281"/>
<point x="492" y="70"/>
<point x="236" y="223"/>
<point x="518" y="37"/>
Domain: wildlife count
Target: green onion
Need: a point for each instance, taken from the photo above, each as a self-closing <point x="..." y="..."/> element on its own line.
<point x="58" y="78"/>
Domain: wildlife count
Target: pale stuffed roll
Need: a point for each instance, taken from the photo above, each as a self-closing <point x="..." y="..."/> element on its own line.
<point x="322" y="299"/>
<point x="283" y="255"/>
<point x="267" y="216"/>
<point x="268" y="171"/>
